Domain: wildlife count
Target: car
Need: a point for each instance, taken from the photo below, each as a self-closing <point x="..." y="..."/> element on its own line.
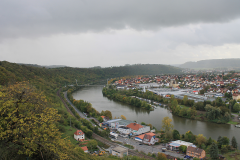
<point x="140" y="143"/>
<point x="164" y="149"/>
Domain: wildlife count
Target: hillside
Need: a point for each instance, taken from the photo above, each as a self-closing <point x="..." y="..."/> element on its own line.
<point x="15" y="72"/>
<point x="213" y="63"/>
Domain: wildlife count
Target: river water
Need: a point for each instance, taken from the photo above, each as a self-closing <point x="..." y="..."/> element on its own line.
<point x="94" y="95"/>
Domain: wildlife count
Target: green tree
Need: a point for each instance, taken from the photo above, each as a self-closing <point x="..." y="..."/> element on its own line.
<point x="225" y="140"/>
<point x="183" y="148"/>
<point x="236" y="107"/>
<point x="92" y="144"/>
<point x="166" y="124"/>
<point x="176" y="134"/>
<point x="185" y="98"/>
<point x="213" y="151"/>
<point x="234" y="142"/>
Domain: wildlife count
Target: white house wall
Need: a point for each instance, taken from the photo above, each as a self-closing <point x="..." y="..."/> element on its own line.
<point x="143" y="130"/>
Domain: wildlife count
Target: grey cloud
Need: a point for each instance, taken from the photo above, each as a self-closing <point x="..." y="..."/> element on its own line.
<point x="28" y="18"/>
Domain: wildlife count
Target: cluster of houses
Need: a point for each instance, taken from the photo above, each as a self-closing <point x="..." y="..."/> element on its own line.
<point x="221" y="83"/>
<point x="126" y="128"/>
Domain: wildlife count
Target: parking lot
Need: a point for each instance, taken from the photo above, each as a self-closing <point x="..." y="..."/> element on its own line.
<point x="146" y="149"/>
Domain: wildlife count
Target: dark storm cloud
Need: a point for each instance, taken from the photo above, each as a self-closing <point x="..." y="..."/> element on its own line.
<point x="46" y="17"/>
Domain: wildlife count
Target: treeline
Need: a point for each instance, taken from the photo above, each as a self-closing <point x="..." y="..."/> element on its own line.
<point x="59" y="76"/>
<point x="118" y="95"/>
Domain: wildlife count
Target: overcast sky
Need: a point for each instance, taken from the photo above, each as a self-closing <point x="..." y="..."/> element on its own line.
<point x="87" y="33"/>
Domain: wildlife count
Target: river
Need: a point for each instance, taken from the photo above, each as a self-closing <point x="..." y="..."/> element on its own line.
<point x="94" y="95"/>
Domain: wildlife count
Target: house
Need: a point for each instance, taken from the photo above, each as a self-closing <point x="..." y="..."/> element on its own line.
<point x="236" y="96"/>
<point x="85" y="149"/>
<point x="119" y="151"/>
<point x="79" y="135"/>
<point x="138" y="129"/>
<point x="149" y="139"/>
<point x="196" y="152"/>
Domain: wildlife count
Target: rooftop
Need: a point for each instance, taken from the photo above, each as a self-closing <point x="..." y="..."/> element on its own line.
<point x="120" y="149"/>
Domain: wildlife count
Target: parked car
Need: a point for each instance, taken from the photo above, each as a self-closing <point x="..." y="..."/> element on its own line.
<point x="164" y="149"/>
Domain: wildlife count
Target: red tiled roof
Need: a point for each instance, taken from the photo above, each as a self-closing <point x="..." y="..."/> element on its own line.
<point x="85" y="148"/>
<point x="134" y="126"/>
<point x="141" y="136"/>
<point x="151" y="134"/>
<point x="79" y="132"/>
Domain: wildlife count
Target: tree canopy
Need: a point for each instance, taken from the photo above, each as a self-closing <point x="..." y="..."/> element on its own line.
<point x="166" y="124"/>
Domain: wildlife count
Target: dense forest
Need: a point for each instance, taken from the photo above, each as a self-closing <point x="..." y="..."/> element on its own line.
<point x="16" y="72"/>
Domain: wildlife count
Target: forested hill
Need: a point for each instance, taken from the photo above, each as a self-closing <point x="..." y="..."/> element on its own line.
<point x="15" y="72"/>
<point x="213" y="63"/>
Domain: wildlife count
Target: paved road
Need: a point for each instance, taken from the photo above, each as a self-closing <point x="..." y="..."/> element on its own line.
<point x="146" y="149"/>
<point x="80" y="113"/>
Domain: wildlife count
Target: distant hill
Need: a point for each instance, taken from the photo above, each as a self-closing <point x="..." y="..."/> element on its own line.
<point x="11" y="72"/>
<point x="35" y="65"/>
<point x="213" y="63"/>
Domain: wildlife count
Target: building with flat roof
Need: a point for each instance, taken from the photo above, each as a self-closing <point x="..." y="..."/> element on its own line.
<point x="119" y="151"/>
<point x="174" y="145"/>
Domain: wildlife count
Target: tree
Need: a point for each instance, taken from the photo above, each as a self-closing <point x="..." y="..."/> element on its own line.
<point x="28" y="124"/>
<point x="161" y="156"/>
<point x="166" y="124"/>
<point x="183" y="148"/>
<point x="100" y="119"/>
<point x="219" y="141"/>
<point x="225" y="140"/>
<point x="108" y="114"/>
<point x="176" y="134"/>
<point x="214" y="151"/>
<point x="234" y="142"/>
<point x="185" y="98"/>
<point x="123" y="117"/>
<point x="236" y="107"/>
<point x="201" y="140"/>
<point x="92" y="144"/>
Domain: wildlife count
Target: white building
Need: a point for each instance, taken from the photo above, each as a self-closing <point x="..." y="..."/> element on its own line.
<point x="79" y="135"/>
<point x="138" y="129"/>
<point x="124" y="130"/>
<point x="174" y="145"/>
